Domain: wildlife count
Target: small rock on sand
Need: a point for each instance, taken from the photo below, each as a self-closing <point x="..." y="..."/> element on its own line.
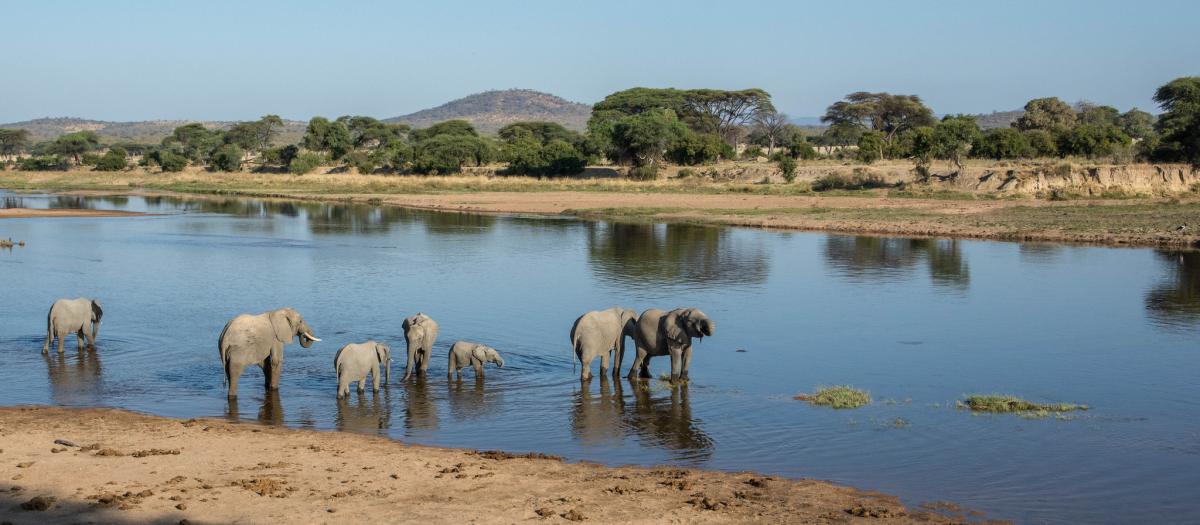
<point x="38" y="503"/>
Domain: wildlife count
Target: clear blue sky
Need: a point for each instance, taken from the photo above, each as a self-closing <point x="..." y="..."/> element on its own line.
<point x="230" y="60"/>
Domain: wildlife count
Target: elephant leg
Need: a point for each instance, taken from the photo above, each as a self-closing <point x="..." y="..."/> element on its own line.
<point x="604" y="362"/>
<point x="80" y="337"/>
<point x="235" y="373"/>
<point x="586" y="359"/>
<point x="478" y="368"/>
<point x="374" y="378"/>
<point x="276" y="362"/>
<point x="644" y="373"/>
<point x="638" y="362"/>
<point x="676" y="363"/>
<point x="343" y="386"/>
<point x="408" y="368"/>
<point x="687" y="361"/>
<point x="425" y="355"/>
<point x="362" y="384"/>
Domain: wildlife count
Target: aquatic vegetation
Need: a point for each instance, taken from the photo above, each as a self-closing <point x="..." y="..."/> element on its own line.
<point x="841" y="396"/>
<point x="1012" y="404"/>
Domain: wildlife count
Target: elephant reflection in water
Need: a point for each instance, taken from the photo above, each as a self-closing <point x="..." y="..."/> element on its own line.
<point x="420" y="414"/>
<point x="74" y="378"/>
<point x="597" y="420"/>
<point x="269" y="412"/>
<point x="664" y="421"/>
<point x="368" y="412"/>
<point x="468" y="399"/>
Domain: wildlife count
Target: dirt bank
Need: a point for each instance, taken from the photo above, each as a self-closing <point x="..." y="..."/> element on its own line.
<point x="25" y="213"/>
<point x="120" y="467"/>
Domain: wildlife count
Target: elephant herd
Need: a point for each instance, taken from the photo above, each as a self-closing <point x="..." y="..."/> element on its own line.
<point x="259" y="340"/>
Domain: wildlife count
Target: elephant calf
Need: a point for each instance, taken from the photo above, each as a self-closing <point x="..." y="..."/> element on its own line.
<point x="354" y="361"/>
<point x="79" y="316"/>
<point x="463" y="354"/>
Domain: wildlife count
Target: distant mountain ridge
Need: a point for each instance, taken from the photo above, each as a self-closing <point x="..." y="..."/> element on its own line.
<point x="149" y="131"/>
<point x="491" y="110"/>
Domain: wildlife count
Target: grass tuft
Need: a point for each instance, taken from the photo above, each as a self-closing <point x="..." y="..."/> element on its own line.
<point x="841" y="396"/>
<point x="1011" y="404"/>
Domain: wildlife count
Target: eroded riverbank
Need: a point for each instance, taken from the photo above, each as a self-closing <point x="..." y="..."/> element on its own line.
<point x="114" y="466"/>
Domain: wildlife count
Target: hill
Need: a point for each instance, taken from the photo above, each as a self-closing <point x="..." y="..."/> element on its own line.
<point x="491" y="110"/>
<point x="147" y="131"/>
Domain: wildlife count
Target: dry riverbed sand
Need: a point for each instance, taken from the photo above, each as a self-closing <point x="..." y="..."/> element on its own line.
<point x="67" y="465"/>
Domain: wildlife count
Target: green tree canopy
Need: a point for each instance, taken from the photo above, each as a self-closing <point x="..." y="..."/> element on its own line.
<point x="1002" y="143"/>
<point x="449" y="127"/>
<point x="1137" y="124"/>
<point x="13" y="141"/>
<point x="194" y="141"/>
<point x="883" y="112"/>
<point x="1049" y="114"/>
<point x="643" y="138"/>
<point x="1179" y="125"/>
<point x="75" y="144"/>
<point x="448" y="153"/>
<point x="326" y="136"/>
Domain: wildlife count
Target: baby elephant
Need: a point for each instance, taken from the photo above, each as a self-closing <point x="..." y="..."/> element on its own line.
<point x="354" y="361"/>
<point x="463" y="354"/>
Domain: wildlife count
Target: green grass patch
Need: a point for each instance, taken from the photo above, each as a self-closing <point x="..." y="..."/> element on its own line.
<point x="1015" y="405"/>
<point x="841" y="396"/>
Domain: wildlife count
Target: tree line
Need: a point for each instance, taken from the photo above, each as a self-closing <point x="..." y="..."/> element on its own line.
<point x="644" y="128"/>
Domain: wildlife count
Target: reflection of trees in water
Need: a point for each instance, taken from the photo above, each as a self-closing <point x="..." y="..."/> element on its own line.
<point x="74" y="378"/>
<point x="419" y="411"/>
<point x="70" y="202"/>
<point x="13" y="202"/>
<point x="369" y="412"/>
<point x="658" y="418"/>
<point x="1176" y="300"/>
<point x="1039" y="253"/>
<point x="872" y="258"/>
<point x="649" y="254"/>
<point x="269" y="412"/>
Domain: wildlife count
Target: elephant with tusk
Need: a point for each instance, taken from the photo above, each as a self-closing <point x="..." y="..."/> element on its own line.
<point x="79" y="316"/>
<point x="258" y="340"/>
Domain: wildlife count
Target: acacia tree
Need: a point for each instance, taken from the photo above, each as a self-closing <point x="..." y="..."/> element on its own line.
<point x="75" y="144"/>
<point x="323" y="135"/>
<point x="885" y="113"/>
<point x="772" y="125"/>
<point x="728" y="111"/>
<point x="13" y="142"/>
<point x="1179" y="125"/>
<point x="643" y="138"/>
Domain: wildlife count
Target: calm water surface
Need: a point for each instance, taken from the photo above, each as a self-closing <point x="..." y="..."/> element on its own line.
<point x="918" y="323"/>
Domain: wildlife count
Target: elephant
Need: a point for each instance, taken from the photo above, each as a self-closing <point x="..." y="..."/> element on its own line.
<point x="463" y="353"/>
<point x="669" y="333"/>
<point x="354" y="361"/>
<point x="80" y="316"/>
<point x="601" y="333"/>
<point x="258" y="340"/>
<point x="420" y="331"/>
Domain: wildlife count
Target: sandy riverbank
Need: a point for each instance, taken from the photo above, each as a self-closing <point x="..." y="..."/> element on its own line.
<point x="122" y="467"/>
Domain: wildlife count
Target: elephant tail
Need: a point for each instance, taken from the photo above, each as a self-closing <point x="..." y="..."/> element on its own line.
<point x="224" y="357"/>
<point x="576" y="351"/>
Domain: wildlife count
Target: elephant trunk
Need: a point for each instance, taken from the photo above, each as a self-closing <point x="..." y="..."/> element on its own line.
<point x="500" y="362"/>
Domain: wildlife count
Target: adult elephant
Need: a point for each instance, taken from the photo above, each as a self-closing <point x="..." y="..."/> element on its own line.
<point x="78" y="316"/>
<point x="420" y="332"/>
<point x="601" y="333"/>
<point x="258" y="340"/>
<point x="669" y="333"/>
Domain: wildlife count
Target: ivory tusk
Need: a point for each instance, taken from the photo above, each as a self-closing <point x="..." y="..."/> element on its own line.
<point x="311" y="338"/>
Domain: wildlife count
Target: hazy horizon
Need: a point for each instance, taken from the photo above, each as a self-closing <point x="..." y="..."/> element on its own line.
<point x="137" y="60"/>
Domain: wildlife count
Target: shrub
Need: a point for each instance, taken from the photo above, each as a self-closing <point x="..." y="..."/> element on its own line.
<point x="169" y="160"/>
<point x="361" y="161"/>
<point x="42" y="163"/>
<point x="787" y="166"/>
<point x="648" y="172"/>
<point x="227" y="158"/>
<point x="752" y="152"/>
<point x="114" y="160"/>
<point x="870" y="147"/>
<point x="857" y="181"/>
<point x="304" y="163"/>
<point x="685" y="173"/>
<point x="89" y="159"/>
<point x="698" y="148"/>
<point x="802" y="150"/>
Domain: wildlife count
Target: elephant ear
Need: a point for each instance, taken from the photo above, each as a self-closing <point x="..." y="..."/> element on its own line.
<point x="674" y="327"/>
<point x="97" y="312"/>
<point x="480" y="353"/>
<point x="281" y="325"/>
